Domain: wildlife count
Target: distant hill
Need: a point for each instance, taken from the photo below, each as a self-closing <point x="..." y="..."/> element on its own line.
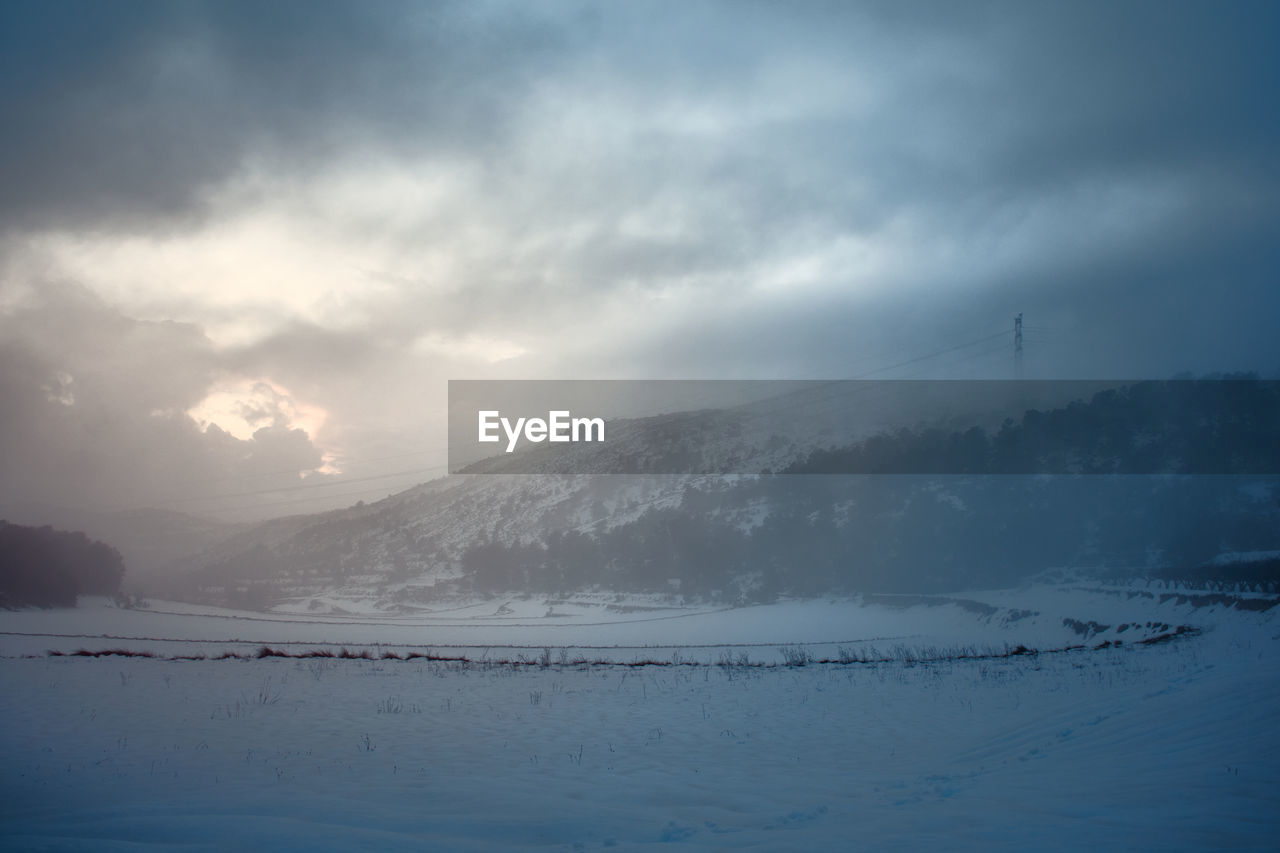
<point x="966" y="507"/>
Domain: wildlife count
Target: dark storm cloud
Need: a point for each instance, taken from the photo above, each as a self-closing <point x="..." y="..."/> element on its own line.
<point x="1102" y="139"/>
<point x="1146" y="86"/>
<point x="138" y="110"/>
<point x="123" y="115"/>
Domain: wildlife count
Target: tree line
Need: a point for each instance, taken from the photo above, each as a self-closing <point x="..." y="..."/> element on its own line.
<point x="1227" y="425"/>
<point x="43" y="567"/>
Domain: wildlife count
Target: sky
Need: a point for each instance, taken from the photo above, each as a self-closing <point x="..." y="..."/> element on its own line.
<point x="244" y="246"/>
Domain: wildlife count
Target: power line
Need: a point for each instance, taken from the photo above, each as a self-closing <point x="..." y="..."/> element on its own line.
<point x="934" y="354"/>
<point x="919" y="358"/>
<point x="280" y="473"/>
<point x="309" y="487"/>
<point x="294" y="501"/>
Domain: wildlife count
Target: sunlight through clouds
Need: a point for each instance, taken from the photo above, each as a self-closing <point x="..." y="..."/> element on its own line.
<point x="243" y="406"/>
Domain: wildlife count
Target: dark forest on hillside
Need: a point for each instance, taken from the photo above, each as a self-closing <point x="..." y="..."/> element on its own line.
<point x="43" y="567"/>
<point x="1156" y="479"/>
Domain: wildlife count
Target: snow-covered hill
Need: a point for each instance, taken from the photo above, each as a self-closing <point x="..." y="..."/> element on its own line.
<point x="408" y="550"/>
<point x="728" y="530"/>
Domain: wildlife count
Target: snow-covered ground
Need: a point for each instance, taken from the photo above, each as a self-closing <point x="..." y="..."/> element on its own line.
<point x="1171" y="745"/>
<point x="1040" y="617"/>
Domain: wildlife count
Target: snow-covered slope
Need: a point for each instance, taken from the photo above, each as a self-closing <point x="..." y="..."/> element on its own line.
<point x="405" y="552"/>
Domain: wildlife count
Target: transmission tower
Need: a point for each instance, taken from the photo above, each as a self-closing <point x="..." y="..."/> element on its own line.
<point x="1017" y="346"/>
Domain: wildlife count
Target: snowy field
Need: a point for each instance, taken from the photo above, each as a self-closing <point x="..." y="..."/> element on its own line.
<point x="1163" y="745"/>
